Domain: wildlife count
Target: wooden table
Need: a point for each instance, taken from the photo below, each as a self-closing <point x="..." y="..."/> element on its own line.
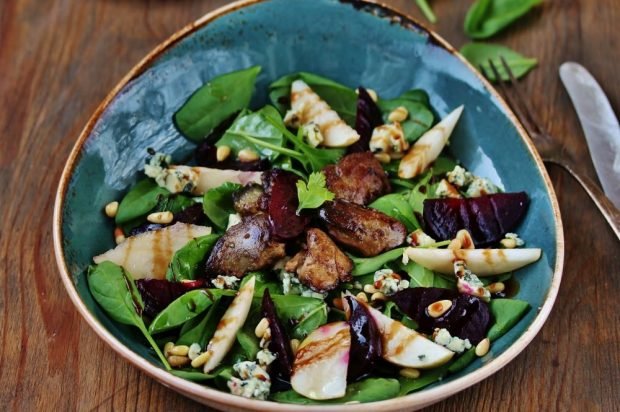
<point x="59" y="58"/>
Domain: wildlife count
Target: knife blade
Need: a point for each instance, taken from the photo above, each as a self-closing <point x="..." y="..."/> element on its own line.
<point x="599" y="123"/>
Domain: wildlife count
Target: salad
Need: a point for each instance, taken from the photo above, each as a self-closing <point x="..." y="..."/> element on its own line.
<point x="324" y="248"/>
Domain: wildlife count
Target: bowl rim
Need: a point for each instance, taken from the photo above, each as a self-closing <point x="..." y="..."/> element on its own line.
<point x="219" y="398"/>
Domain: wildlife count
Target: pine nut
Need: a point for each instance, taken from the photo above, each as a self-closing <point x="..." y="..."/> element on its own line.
<point x="178" y="361"/>
<point x="377" y="296"/>
<point x="201" y="359"/>
<point x="194" y="351"/>
<point x="337" y="302"/>
<point x="462" y="240"/>
<point x="362" y="297"/>
<point x="111" y="209"/>
<point x="119" y="236"/>
<point x="167" y="348"/>
<point x="262" y="326"/>
<point x="160" y="217"/>
<point x="295" y="345"/>
<point x="508" y="243"/>
<point x="383" y="157"/>
<point x="482" y="348"/>
<point x="399" y="114"/>
<point x="409" y="373"/>
<point x="222" y="153"/>
<point x="181" y="350"/>
<point x="247" y="155"/>
<point x="496" y="287"/>
<point x="438" y="308"/>
<point x="369" y="288"/>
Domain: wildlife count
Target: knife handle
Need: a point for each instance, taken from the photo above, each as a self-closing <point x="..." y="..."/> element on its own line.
<point x="609" y="211"/>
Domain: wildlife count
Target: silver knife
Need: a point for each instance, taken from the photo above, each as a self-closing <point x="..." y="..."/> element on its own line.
<point x="599" y="123"/>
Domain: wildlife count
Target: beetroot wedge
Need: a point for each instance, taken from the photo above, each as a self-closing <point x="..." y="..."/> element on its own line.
<point x="487" y="218"/>
<point x="283" y="203"/>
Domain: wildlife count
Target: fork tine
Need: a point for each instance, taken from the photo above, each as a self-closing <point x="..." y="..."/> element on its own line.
<point x="512" y="102"/>
<point x="532" y="119"/>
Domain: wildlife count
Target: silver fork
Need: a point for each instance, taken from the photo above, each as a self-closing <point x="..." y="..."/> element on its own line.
<point x="550" y="149"/>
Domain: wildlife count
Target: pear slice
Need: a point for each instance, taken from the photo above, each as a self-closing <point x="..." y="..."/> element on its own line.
<point x="405" y="347"/>
<point x="147" y="255"/>
<point x="482" y="262"/>
<point x="428" y="147"/>
<point x="312" y="109"/>
<point x="227" y="328"/>
<point x="321" y="363"/>
<point x="207" y="178"/>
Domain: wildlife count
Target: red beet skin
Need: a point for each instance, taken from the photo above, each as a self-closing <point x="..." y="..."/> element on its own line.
<point x="283" y="203"/>
<point x="487" y="218"/>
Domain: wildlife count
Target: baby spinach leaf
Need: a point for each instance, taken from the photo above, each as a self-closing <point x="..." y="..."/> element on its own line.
<point x="182" y="309"/>
<point x="431" y="376"/>
<point x="263" y="280"/>
<point x="426" y="278"/>
<point x="313" y="194"/>
<point x="420" y="192"/>
<point x="186" y="261"/>
<point x="214" y="102"/>
<point x="442" y="165"/>
<point x="506" y="312"/>
<point x="203" y="330"/>
<point x="426" y="9"/>
<point x="174" y="203"/>
<point x="193" y="375"/>
<point x="364" y="266"/>
<point x="367" y="390"/>
<point x="462" y="361"/>
<point x="217" y="204"/>
<point x="479" y="55"/>
<point x="115" y="291"/>
<point x="306" y="313"/>
<point x="487" y="17"/>
<point x="248" y="342"/>
<point x="140" y="200"/>
<point x="420" y="117"/>
<point x="396" y="206"/>
<point x="340" y="98"/>
<point x="317" y="317"/>
<point x="252" y="131"/>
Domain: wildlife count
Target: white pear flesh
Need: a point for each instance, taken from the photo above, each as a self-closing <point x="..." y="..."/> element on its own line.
<point x="227" y="328"/>
<point x="147" y="255"/>
<point x="310" y="108"/>
<point x="428" y="147"/>
<point x="321" y="363"/>
<point x="405" y="347"/>
<point x="482" y="262"/>
<point x="207" y="178"/>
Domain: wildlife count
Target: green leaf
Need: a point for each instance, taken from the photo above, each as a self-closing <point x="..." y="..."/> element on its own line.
<point x="313" y="194"/>
<point x="248" y="342"/>
<point x="186" y="261"/>
<point x="426" y="9"/>
<point x="193" y="375"/>
<point x="339" y="97"/>
<point x="307" y="313"/>
<point x="422" y="277"/>
<point x="487" y="17"/>
<point x="217" y="203"/>
<point x="201" y="329"/>
<point x="506" y="312"/>
<point x="250" y="127"/>
<point x="420" y="117"/>
<point x="420" y="192"/>
<point x="214" y="102"/>
<point x="396" y="206"/>
<point x="479" y="55"/>
<point x="173" y="203"/>
<point x="140" y="200"/>
<point x="263" y="280"/>
<point x="367" y="390"/>
<point x="462" y="361"/>
<point x="431" y="376"/>
<point x="364" y="266"/>
<point x="182" y="309"/>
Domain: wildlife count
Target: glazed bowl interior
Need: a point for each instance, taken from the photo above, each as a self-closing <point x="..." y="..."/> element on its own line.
<point x="355" y="44"/>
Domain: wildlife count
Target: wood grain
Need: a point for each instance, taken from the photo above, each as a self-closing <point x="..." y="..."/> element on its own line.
<point x="59" y="58"/>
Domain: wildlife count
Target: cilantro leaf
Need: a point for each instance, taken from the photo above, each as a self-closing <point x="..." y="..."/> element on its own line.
<point x="314" y="193"/>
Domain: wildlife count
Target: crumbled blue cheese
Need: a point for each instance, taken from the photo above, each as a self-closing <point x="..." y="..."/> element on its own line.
<point x="292" y="286"/>
<point x="518" y="241"/>
<point x="454" y="343"/>
<point x="468" y="283"/>
<point x="312" y="134"/>
<point x="459" y="176"/>
<point x="265" y="357"/>
<point x="389" y="139"/>
<point x="233" y="219"/>
<point x="175" y="180"/>
<point x="388" y="282"/>
<point x="253" y="382"/>
<point x="225" y="282"/>
<point x="480" y="186"/>
<point x="420" y="239"/>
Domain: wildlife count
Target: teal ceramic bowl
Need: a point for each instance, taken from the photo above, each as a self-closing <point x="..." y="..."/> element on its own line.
<point x="353" y="42"/>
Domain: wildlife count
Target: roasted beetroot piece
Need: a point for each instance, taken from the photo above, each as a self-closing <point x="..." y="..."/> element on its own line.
<point x="487" y="218"/>
<point x="157" y="294"/>
<point x="358" y="178"/>
<point x="283" y="203"/>
<point x="245" y="247"/>
<point x="191" y="215"/>
<point x="467" y="318"/>
<point x="368" y="117"/>
<point x="280" y="344"/>
<point x="366" y="232"/>
<point x="366" y="346"/>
